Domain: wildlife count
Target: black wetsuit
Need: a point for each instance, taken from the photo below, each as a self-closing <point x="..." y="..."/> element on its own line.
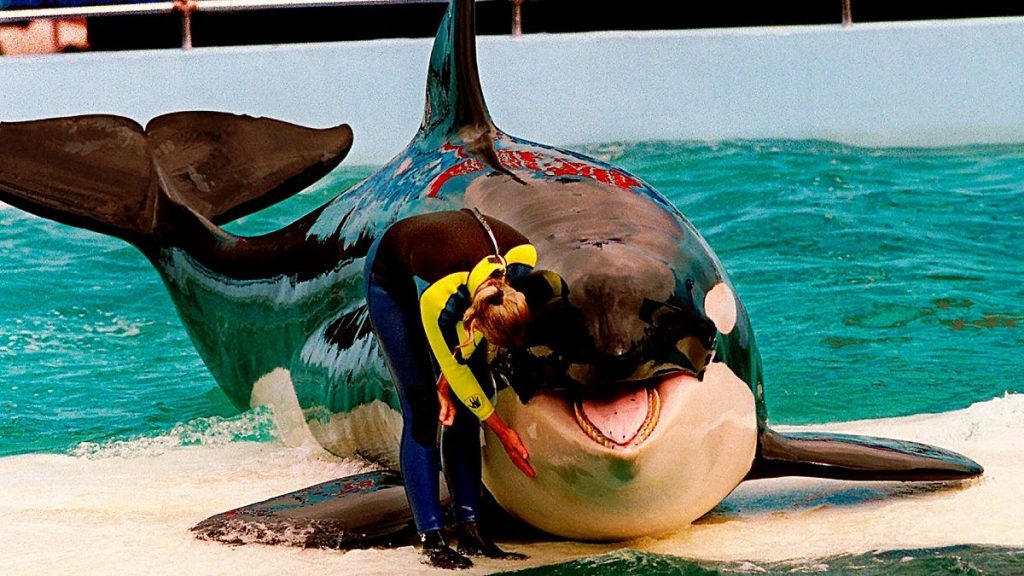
<point x="420" y="276"/>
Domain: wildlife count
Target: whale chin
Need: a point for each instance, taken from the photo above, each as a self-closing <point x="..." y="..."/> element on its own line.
<point x="635" y="463"/>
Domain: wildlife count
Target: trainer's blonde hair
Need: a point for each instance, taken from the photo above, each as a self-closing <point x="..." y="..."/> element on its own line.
<point x="498" y="311"/>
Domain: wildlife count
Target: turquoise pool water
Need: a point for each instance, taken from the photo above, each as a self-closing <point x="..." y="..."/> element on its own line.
<point x="880" y="282"/>
<point x="948" y="561"/>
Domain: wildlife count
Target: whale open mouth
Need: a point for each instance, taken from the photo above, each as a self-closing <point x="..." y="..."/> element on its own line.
<point x="620" y="420"/>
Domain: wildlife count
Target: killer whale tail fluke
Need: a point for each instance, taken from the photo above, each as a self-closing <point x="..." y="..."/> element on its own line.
<point x="92" y="172"/>
<point x="108" y="174"/>
<point x="225" y="166"/>
<point x="850" y="457"/>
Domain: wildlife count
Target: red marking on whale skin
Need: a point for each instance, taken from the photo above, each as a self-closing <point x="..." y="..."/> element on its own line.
<point x="351" y="487"/>
<point x="563" y="167"/>
<point x="514" y="160"/>
<point x="467" y="167"/>
<point x="525" y="160"/>
<point x="460" y="151"/>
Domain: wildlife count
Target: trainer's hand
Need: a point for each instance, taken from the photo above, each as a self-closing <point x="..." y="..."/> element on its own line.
<point x="447" y="415"/>
<point x="512" y="443"/>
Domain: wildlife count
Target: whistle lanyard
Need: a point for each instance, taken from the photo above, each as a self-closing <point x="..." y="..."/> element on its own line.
<point x="490" y="233"/>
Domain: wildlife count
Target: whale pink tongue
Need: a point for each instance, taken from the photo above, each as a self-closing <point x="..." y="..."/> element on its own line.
<point x="620" y="418"/>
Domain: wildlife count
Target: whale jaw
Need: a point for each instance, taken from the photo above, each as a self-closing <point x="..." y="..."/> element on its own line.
<point x="700" y="446"/>
<point x="619" y="420"/>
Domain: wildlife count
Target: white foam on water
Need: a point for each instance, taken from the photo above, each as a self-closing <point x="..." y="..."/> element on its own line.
<point x="211" y="431"/>
<point x="129" y="512"/>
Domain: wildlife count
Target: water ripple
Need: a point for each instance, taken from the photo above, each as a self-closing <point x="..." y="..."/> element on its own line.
<point x="855" y="264"/>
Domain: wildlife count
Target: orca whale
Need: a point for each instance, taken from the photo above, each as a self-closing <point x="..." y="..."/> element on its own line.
<point x="645" y="398"/>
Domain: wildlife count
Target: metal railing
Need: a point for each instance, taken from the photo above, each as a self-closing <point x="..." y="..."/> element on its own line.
<point x="201" y="6"/>
<point x="186" y="9"/>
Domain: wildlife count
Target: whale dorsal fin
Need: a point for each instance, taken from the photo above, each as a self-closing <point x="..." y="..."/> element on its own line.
<point x="455" y="99"/>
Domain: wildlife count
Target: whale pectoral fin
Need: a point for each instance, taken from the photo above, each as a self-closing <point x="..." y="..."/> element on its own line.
<point x="91" y="171"/>
<point x="224" y="166"/>
<point x="848" y="457"/>
<point x="352" y="512"/>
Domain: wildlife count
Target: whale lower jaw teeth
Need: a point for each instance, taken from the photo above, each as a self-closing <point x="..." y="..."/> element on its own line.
<point x="595" y="431"/>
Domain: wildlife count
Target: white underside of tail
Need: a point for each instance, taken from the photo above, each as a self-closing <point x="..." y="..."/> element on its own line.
<point x="371" y="431"/>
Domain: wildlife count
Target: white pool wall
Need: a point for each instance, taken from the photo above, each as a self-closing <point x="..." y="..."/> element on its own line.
<point x="931" y="83"/>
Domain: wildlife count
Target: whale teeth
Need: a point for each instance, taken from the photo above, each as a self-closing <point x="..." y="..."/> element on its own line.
<point x="650" y="422"/>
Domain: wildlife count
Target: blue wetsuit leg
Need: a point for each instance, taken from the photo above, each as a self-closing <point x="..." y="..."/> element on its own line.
<point x="408" y="358"/>
<point x="460" y="450"/>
